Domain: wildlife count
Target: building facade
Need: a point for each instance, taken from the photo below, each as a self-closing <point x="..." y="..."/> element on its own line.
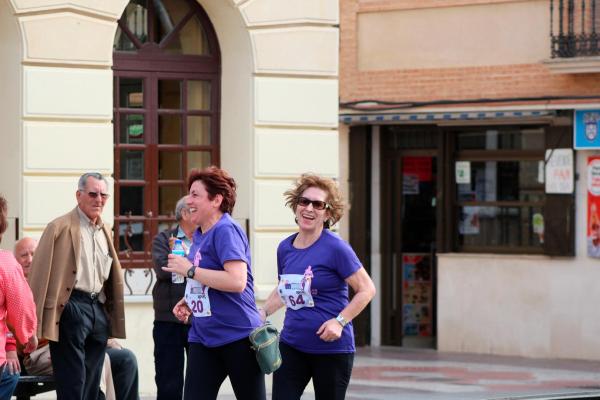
<point x="142" y="91"/>
<point x="469" y="192"/>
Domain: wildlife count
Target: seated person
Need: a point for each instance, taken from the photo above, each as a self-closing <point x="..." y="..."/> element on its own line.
<point x="120" y="371"/>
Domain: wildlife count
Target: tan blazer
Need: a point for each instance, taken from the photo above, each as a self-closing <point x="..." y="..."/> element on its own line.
<point x="52" y="277"/>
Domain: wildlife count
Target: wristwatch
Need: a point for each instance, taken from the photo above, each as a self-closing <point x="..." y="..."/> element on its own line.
<point x="341" y="320"/>
<point x="191" y="272"/>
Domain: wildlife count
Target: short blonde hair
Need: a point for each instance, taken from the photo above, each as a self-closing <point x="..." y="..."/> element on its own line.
<point x="333" y="198"/>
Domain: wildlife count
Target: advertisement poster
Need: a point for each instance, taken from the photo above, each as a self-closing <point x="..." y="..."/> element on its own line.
<point x="414" y="171"/>
<point x="586" y="129"/>
<point x="593" y="217"/>
<point x="416" y="295"/>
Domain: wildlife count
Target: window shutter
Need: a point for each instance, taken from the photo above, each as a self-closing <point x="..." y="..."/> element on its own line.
<point x="559" y="209"/>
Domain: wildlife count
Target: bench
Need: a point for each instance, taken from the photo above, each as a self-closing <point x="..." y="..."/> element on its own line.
<point x="30" y="385"/>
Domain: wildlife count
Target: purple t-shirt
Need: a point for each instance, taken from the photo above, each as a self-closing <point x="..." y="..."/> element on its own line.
<point x="233" y="315"/>
<point x="332" y="260"/>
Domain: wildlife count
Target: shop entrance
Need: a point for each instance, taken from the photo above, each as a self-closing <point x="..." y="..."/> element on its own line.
<point x="409" y="229"/>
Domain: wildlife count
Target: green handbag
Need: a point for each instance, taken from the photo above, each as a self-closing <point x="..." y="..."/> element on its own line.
<point x="265" y="342"/>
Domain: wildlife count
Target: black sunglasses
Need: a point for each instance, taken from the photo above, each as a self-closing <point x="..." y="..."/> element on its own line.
<point x="94" y="195"/>
<point x="317" y="204"/>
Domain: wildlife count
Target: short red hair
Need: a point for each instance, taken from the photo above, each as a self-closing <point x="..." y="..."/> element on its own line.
<point x="216" y="181"/>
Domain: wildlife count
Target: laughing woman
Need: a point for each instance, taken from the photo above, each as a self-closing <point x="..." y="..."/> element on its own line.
<point x="219" y="296"/>
<point x="315" y="267"/>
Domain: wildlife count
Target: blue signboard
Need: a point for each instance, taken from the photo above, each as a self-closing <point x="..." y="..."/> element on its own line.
<point x="587" y="129"/>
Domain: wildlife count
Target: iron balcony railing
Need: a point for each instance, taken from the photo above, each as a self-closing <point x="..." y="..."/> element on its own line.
<point x="574" y="28"/>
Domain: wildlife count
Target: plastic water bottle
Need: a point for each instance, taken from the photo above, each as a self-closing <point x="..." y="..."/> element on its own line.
<point x="179" y="251"/>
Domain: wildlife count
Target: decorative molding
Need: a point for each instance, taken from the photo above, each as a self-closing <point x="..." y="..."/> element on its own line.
<point x="576" y="65"/>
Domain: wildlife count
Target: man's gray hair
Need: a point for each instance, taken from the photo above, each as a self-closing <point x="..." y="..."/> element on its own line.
<point x="83" y="179"/>
<point x="179" y="207"/>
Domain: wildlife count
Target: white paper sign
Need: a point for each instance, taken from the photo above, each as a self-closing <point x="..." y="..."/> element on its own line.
<point x="463" y="172"/>
<point x="559" y="171"/>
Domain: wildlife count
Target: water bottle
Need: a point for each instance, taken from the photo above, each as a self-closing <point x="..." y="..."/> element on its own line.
<point x="179" y="251"/>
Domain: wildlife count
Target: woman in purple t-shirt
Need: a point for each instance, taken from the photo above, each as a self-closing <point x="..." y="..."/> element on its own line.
<point x="219" y="296"/>
<point x="315" y="267"/>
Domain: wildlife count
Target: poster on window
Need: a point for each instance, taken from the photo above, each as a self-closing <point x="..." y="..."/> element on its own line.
<point x="417" y="295"/>
<point x="593" y="209"/>
<point x="559" y="171"/>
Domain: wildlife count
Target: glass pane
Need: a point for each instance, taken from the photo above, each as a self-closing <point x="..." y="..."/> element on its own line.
<point x="170" y="165"/>
<point x="163" y="226"/>
<point x="169" y="129"/>
<point x="192" y="40"/>
<point x="132" y="129"/>
<point x="502" y="139"/>
<point x="169" y="94"/>
<point x="168" y="198"/>
<point x="402" y="137"/>
<point x="131" y="200"/>
<point x="136" y="19"/>
<point x="132" y="164"/>
<point x="198" y="159"/>
<point x="122" y="42"/>
<point x="504" y="181"/>
<point x="131" y="91"/>
<point x="168" y="14"/>
<point x="507" y="227"/>
<point x="198" y="131"/>
<point x="198" y="95"/>
<point x="131" y="236"/>
<point x="419" y="177"/>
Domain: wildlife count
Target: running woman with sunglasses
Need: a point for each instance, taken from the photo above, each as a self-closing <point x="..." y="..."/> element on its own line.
<point x="315" y="267"/>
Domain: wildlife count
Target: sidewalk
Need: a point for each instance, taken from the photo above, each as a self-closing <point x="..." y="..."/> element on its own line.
<point x="393" y="373"/>
<point x="389" y="373"/>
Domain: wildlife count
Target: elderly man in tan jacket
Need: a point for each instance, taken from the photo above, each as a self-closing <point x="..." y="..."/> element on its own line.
<point x="77" y="286"/>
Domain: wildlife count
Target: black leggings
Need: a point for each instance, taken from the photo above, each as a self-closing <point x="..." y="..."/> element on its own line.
<point x="209" y="366"/>
<point x="330" y="374"/>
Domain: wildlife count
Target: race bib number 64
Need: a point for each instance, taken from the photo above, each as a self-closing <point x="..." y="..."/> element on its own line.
<point x="294" y="290"/>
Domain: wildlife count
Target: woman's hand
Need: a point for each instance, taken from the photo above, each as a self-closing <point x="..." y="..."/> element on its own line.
<point x="181" y="310"/>
<point x="12" y="362"/>
<point x="31" y="344"/>
<point x="178" y="264"/>
<point x="330" y="330"/>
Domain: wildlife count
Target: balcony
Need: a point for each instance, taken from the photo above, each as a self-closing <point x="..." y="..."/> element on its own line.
<point x="575" y="36"/>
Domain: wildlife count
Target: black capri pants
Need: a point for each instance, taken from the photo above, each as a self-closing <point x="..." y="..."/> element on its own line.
<point x="330" y="374"/>
<point x="208" y="367"/>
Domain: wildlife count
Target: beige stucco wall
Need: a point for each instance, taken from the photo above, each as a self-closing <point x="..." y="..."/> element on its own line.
<point x="10" y="138"/>
<point x="532" y="306"/>
<point x="441" y="37"/>
<point x="279" y="115"/>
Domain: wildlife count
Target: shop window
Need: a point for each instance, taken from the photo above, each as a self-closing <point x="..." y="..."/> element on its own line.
<point x="499" y="199"/>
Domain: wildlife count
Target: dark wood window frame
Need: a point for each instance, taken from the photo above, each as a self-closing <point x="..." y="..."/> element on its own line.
<point x="558" y="210"/>
<point x="151" y="63"/>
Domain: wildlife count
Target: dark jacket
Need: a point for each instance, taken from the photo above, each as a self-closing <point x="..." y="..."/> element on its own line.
<point x="165" y="294"/>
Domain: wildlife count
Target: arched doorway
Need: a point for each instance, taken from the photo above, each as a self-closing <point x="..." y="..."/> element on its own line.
<point x="167" y="70"/>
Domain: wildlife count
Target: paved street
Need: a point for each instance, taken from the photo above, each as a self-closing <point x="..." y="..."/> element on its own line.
<point x="395" y="374"/>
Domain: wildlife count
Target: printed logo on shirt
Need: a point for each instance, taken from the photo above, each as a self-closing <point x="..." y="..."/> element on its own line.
<point x="197" y="258"/>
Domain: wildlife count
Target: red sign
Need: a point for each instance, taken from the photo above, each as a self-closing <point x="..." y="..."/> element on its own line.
<point x="593" y="209"/>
